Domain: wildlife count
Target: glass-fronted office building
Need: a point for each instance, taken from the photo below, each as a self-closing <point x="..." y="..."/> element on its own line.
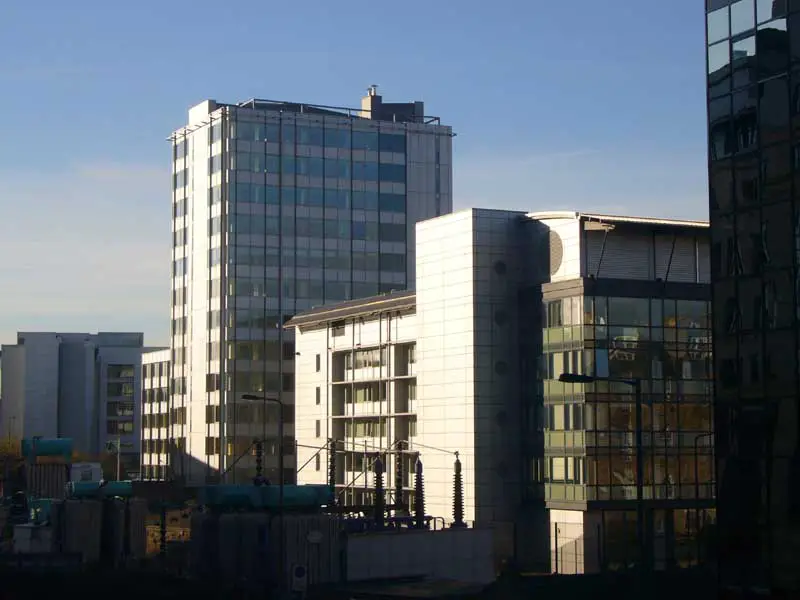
<point x="624" y="299"/>
<point x="590" y="439"/>
<point x="279" y="207"/>
<point x="753" y="60"/>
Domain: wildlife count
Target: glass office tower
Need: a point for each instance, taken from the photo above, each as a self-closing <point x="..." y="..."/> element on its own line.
<point x="279" y="207"/>
<point x="753" y="60"/>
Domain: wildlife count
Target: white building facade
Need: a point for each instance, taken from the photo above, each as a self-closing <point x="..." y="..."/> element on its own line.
<point x="441" y="373"/>
<point x="156" y="416"/>
<point x="358" y="387"/>
<point x="279" y="207"/>
<point x="76" y="385"/>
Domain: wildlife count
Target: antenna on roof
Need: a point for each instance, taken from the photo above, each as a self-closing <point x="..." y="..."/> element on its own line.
<point x="372" y="90"/>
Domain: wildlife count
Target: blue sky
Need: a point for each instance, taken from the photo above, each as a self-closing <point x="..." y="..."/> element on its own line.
<point x="579" y="105"/>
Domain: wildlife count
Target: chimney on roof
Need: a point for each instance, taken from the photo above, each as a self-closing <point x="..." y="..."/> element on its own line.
<point x="371" y="103"/>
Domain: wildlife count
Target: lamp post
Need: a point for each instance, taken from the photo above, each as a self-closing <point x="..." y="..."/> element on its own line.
<point x="279" y="402"/>
<point x="636" y="384"/>
<point x="697" y="438"/>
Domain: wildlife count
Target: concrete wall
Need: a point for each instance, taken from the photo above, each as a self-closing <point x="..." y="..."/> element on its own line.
<point x="12" y="408"/>
<point x="463" y="555"/>
<point x="467" y="283"/>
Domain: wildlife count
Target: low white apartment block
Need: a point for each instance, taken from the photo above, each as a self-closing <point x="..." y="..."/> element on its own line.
<point x="75" y="385"/>
<point x="358" y="387"/>
<point x="156" y="449"/>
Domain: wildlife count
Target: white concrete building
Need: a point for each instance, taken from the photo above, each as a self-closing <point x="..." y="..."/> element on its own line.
<point x="451" y="343"/>
<point x="361" y="392"/>
<point x="279" y="207"/>
<point x="156" y="450"/>
<point x="77" y="385"/>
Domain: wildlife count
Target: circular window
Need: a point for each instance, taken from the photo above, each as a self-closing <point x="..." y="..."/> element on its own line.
<point x="500" y="267"/>
<point x="500" y="317"/>
<point x="500" y="367"/>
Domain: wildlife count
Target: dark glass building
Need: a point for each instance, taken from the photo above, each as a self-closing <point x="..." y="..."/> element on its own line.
<point x="753" y="66"/>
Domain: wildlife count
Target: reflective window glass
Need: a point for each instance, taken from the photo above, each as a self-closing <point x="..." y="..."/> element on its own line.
<point x="392" y="202"/>
<point x="718" y="25"/>
<point x="287" y="133"/>
<point x="794" y="38"/>
<point x="366" y="171"/>
<point x="745" y="120"/>
<point x="392" y="142"/>
<point x="769" y="9"/>
<point x="773" y="109"/>
<point x="393" y="173"/>
<point x="365" y="140"/>
<point x="287" y="165"/>
<point x="310" y="136"/>
<point x="742" y="51"/>
<point x="743" y="16"/>
<point x="337" y="138"/>
<point x="772" y="47"/>
<point x="718" y="57"/>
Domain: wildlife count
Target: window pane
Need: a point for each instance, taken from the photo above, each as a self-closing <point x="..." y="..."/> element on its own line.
<point x="743" y="16"/>
<point x="718" y="28"/>
<point x="769" y="9"/>
<point x="718" y="57"/>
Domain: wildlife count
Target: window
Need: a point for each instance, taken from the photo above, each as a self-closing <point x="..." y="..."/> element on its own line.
<point x="120" y="371"/>
<point x="554" y="314"/>
<point x="119" y="389"/>
<point x="212" y="382"/>
<point x="392" y="142"/>
<point x="212" y="413"/>
<point x="319" y="395"/>
<point x="337" y="329"/>
<point x="119" y="427"/>
<point x="393" y="173"/>
<point x="120" y="409"/>
<point x="318" y="365"/>
<point x="317" y="462"/>
<point x="318" y="428"/>
<point x="288" y="382"/>
<point x="391" y="232"/>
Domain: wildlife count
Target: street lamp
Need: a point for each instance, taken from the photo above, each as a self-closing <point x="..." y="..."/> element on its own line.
<point x="279" y="402"/>
<point x="697" y="438"/>
<point x="636" y="384"/>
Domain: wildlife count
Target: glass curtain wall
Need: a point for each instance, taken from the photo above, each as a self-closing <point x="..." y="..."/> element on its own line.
<point x="753" y="98"/>
<point x="316" y="213"/>
<point x="590" y="436"/>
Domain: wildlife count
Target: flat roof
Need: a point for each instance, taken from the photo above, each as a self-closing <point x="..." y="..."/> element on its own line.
<point x="568" y="214"/>
<point x="349" y="309"/>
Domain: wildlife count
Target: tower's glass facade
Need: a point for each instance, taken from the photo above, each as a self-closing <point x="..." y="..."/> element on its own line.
<point x="753" y="60"/>
<point x="287" y="207"/>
